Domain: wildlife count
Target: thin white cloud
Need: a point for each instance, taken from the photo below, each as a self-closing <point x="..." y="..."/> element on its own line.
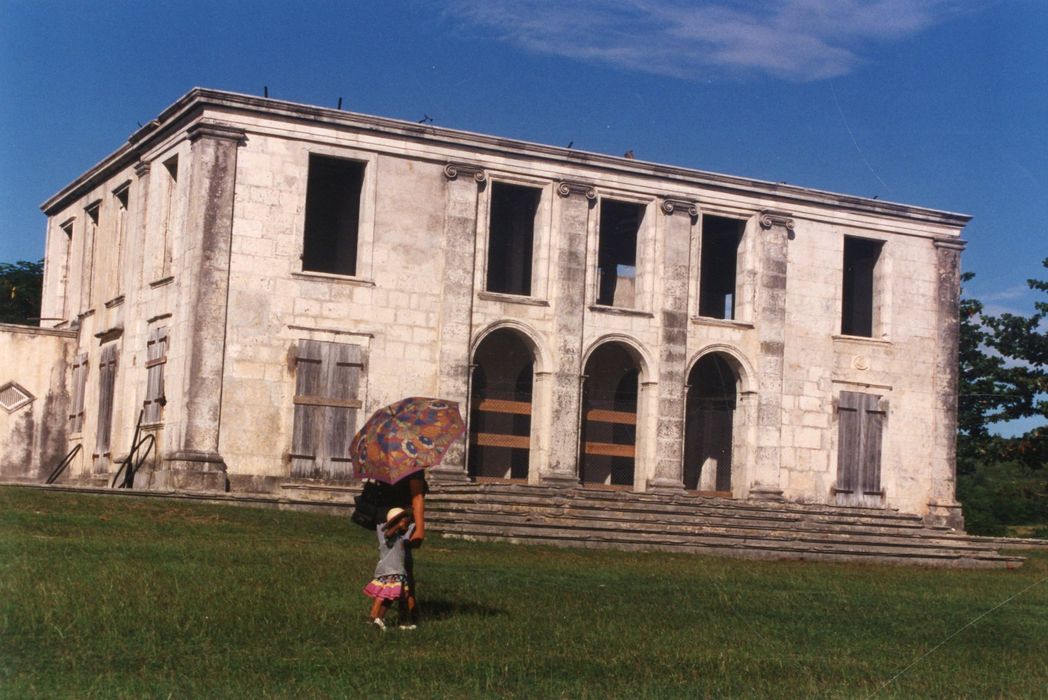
<point x="799" y="40"/>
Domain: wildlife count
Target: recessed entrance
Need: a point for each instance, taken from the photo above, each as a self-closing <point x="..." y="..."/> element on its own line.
<point x="500" y="405"/>
<point x="609" y="426"/>
<point x="709" y="425"/>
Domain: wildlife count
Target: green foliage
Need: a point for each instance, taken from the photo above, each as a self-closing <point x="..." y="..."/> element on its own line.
<point x="1003" y="375"/>
<point x="21" y="285"/>
<point x="997" y="495"/>
<point x="124" y="596"/>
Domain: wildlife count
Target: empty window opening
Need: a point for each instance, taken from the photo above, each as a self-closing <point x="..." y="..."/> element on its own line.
<point x="511" y="238"/>
<point x="719" y="252"/>
<point x="332" y="215"/>
<point x="88" y="256"/>
<point x="609" y="426"/>
<point x="861" y="256"/>
<point x="708" y="425"/>
<point x="169" y="210"/>
<point x="122" y="197"/>
<point x="500" y="404"/>
<point x="617" y="253"/>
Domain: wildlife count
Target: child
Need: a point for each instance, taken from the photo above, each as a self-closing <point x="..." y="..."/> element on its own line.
<point x="392" y="575"/>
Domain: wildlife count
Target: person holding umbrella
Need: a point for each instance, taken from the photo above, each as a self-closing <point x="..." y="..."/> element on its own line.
<point x="394" y="446"/>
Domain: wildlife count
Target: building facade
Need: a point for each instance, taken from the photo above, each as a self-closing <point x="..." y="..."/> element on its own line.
<point x="255" y="277"/>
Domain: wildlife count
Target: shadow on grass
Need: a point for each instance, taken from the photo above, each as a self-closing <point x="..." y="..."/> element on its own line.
<point x="444" y="609"/>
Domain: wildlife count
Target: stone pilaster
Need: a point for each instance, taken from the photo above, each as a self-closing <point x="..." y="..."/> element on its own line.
<point x="203" y="293"/>
<point x="569" y="307"/>
<point x="456" y="305"/>
<point x="669" y="435"/>
<point x="770" y="323"/>
<point x="943" y="508"/>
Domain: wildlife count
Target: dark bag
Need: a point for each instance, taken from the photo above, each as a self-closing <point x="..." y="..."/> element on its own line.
<point x="371" y="506"/>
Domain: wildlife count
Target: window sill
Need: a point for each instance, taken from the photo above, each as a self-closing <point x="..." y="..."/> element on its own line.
<point x="721" y="322"/>
<point x="861" y="340"/>
<point x="511" y="298"/>
<point x="620" y="311"/>
<point x="332" y="277"/>
<point x="161" y="282"/>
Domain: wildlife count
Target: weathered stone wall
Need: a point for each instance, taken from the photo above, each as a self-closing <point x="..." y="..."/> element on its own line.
<point x="34" y="377"/>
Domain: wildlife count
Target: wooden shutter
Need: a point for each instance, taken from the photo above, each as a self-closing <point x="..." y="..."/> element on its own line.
<point x="156" y="358"/>
<point x="106" y="384"/>
<point x="76" y="406"/>
<point x="327" y="387"/>
<point x="860" y="425"/>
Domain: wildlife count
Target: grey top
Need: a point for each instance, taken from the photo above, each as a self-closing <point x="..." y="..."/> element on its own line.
<point x="394" y="557"/>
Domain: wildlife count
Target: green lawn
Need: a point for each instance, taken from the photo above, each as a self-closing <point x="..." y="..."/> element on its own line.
<point x="107" y="597"/>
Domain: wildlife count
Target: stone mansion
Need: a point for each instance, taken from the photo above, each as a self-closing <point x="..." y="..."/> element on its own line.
<point x="248" y="279"/>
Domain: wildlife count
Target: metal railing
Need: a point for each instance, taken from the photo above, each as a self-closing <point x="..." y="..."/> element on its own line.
<point x="64" y="463"/>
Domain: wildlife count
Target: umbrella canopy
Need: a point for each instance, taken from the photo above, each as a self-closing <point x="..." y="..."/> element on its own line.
<point x="404" y="437"/>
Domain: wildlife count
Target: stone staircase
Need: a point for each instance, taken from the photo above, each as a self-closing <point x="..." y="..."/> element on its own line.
<point x="687" y="523"/>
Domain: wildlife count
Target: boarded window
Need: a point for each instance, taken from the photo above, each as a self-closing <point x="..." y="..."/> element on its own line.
<point x="76" y="414"/>
<point x="859" y="288"/>
<point x="511" y="238"/>
<point x="717" y="272"/>
<point x="156" y="358"/>
<point x="106" y="385"/>
<point x="87" y="260"/>
<point x="860" y="425"/>
<point x="332" y="215"/>
<point x="327" y="396"/>
<point x="617" y="253"/>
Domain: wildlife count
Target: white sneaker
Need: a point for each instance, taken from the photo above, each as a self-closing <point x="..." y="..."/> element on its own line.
<point x="377" y="622"/>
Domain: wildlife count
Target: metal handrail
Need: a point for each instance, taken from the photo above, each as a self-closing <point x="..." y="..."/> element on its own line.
<point x="64" y="463"/>
<point x="129" y="466"/>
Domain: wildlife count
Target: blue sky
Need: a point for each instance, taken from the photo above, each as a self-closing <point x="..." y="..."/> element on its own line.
<point x="938" y="103"/>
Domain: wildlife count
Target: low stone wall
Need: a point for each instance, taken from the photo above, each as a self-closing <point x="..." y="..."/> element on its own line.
<point x="34" y="398"/>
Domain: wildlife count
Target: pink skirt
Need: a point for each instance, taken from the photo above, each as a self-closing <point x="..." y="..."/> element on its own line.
<point x="392" y="587"/>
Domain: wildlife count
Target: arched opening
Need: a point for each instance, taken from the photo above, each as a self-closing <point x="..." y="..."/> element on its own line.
<point x="500" y="407"/>
<point x="609" y="411"/>
<point x="709" y="424"/>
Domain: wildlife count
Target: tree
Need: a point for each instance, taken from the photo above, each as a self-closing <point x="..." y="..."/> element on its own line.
<point x="21" y="285"/>
<point x="1003" y="366"/>
<point x="1003" y="363"/>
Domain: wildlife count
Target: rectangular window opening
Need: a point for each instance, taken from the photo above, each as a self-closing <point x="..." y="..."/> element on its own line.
<point x="617" y="253"/>
<point x="719" y="252"/>
<point x="861" y="256"/>
<point x="332" y="215"/>
<point x="511" y="238"/>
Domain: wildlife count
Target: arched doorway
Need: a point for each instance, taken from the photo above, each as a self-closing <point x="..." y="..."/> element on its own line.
<point x="500" y="407"/>
<point x="607" y="452"/>
<point x="709" y="424"/>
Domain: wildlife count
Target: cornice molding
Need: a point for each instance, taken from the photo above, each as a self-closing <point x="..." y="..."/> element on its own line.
<point x="453" y="170"/>
<point x="671" y="205"/>
<point x="207" y="129"/>
<point x="142" y="168"/>
<point x="566" y="188"/>
<point x="944" y="244"/>
<point x="770" y="218"/>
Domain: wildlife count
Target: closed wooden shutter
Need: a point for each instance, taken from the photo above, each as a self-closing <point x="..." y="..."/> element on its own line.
<point x="106" y="384"/>
<point x="156" y="358"/>
<point x="327" y="388"/>
<point x="860" y="426"/>
<point x="76" y="405"/>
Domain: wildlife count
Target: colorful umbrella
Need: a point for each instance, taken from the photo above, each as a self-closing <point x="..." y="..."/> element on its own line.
<point x="404" y="437"/>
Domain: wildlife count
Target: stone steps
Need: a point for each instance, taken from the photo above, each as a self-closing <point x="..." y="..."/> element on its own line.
<point x="620" y="520"/>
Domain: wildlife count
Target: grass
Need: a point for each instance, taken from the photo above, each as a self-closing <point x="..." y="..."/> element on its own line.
<point x="104" y="597"/>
